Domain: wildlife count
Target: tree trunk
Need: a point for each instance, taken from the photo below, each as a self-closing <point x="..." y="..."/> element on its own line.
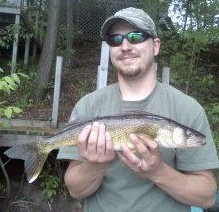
<point x="49" y="46"/>
<point x="69" y="36"/>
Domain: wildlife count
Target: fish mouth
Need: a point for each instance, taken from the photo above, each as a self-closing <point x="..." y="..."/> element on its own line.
<point x="195" y="141"/>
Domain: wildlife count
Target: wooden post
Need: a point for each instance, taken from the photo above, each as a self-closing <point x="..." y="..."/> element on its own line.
<point x="166" y="75"/>
<point x="103" y="67"/>
<point x="15" y="44"/>
<point x="27" y="49"/>
<point x="59" y="61"/>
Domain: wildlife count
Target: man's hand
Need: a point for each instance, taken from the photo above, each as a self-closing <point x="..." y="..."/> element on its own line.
<point x="95" y="144"/>
<point x="192" y="188"/>
<point x="146" y="160"/>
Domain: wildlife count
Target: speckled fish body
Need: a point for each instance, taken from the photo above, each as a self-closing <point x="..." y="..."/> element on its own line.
<point x="164" y="131"/>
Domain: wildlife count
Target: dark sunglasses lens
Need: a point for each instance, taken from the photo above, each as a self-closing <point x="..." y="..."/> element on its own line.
<point x="114" y="40"/>
<point x="136" y="37"/>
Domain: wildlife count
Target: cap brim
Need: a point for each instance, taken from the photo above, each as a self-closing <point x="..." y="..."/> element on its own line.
<point x="112" y="20"/>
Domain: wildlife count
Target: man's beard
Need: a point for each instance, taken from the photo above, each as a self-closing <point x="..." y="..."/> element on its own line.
<point x="128" y="73"/>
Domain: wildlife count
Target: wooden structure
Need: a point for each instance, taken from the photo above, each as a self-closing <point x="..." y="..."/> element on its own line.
<point x="13" y="12"/>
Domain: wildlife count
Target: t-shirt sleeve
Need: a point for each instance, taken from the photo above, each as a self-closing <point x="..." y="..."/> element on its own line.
<point x="201" y="158"/>
<point x="68" y="153"/>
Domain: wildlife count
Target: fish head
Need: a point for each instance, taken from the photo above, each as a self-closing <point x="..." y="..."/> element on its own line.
<point x="174" y="137"/>
<point x="179" y="137"/>
<point x="194" y="138"/>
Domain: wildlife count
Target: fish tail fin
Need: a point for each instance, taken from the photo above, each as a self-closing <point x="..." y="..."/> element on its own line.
<point x="34" y="156"/>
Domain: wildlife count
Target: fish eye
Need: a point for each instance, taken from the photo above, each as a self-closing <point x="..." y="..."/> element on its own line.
<point x="191" y="133"/>
<point x="188" y="133"/>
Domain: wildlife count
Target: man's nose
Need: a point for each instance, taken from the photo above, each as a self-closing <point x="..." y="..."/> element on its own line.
<point x="125" y="46"/>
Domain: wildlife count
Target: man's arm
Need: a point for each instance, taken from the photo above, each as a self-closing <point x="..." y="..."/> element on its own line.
<point x="192" y="188"/>
<point x="83" y="179"/>
<point x="96" y="148"/>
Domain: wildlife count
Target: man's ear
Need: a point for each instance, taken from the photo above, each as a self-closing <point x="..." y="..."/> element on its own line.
<point x="156" y="46"/>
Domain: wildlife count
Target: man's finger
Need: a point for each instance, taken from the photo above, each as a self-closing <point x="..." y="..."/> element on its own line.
<point x="83" y="137"/>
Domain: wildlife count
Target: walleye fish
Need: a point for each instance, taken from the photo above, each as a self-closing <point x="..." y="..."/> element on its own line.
<point x="166" y="132"/>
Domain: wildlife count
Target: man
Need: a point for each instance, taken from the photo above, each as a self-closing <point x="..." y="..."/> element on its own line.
<point x="154" y="178"/>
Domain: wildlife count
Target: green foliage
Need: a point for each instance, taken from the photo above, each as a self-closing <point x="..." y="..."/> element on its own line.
<point x="197" y="14"/>
<point x="38" y="21"/>
<point x="7" y="35"/>
<point x="61" y="39"/>
<point x="61" y="44"/>
<point x="9" y="110"/>
<point x="37" y="17"/>
<point x="50" y="179"/>
<point x="7" y="85"/>
<point x="183" y="56"/>
<point x="212" y="111"/>
<point x="49" y="185"/>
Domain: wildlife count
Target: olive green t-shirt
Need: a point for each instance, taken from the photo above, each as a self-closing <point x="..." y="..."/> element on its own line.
<point x="122" y="190"/>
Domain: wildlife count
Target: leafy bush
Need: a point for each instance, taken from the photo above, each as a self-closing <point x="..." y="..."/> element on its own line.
<point x="7" y="35"/>
<point x="49" y="186"/>
<point x="7" y="85"/>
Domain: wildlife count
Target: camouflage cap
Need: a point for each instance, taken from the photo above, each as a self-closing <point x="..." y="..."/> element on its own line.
<point x="136" y="17"/>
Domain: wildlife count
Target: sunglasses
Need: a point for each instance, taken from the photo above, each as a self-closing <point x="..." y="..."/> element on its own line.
<point x="133" y="37"/>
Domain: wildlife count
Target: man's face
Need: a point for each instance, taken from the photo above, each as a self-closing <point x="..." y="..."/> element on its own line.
<point x="132" y="60"/>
